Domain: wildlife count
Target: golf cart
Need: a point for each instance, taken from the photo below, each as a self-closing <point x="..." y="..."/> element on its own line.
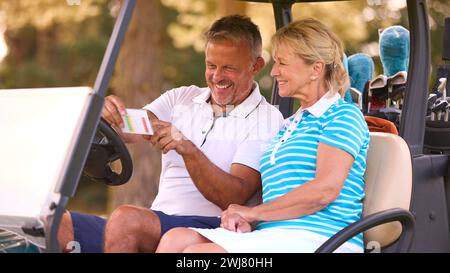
<point x="407" y="195"/>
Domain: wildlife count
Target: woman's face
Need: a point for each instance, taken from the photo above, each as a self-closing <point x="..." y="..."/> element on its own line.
<point x="293" y="75"/>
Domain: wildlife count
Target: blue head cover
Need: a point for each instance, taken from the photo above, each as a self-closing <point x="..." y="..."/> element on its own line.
<point x="347" y="94"/>
<point x="394" y="50"/>
<point x="360" y="70"/>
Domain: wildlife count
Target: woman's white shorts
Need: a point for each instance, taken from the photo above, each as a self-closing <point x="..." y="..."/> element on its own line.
<point x="272" y="240"/>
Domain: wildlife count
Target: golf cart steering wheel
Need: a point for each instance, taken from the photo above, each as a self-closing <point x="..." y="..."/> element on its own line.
<point x="106" y="148"/>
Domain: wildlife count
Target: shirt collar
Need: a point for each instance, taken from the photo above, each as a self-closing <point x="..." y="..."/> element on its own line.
<point x="322" y="105"/>
<point x="203" y="97"/>
<point x="240" y="111"/>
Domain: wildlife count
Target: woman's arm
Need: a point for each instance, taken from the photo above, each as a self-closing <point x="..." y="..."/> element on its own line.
<point x="333" y="165"/>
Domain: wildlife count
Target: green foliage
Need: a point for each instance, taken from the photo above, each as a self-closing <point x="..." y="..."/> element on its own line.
<point x="61" y="54"/>
<point x="182" y="66"/>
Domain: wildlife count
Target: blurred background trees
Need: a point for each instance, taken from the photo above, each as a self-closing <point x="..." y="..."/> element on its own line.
<point x="46" y="43"/>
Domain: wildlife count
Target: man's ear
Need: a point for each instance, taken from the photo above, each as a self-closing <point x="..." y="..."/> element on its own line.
<point x="259" y="65"/>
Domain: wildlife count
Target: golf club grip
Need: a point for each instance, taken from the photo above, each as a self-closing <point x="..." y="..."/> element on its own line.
<point x="446" y="46"/>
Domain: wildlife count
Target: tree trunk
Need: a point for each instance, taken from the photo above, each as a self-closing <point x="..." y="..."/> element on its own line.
<point x="227" y="7"/>
<point x="138" y="81"/>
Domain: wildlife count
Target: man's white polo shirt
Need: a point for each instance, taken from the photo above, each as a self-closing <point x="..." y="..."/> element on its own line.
<point x="240" y="137"/>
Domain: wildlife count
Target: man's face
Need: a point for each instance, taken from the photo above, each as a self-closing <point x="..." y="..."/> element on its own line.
<point x="230" y="71"/>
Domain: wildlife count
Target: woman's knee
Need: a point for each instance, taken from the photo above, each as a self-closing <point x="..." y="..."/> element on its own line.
<point x="177" y="239"/>
<point x="204" y="248"/>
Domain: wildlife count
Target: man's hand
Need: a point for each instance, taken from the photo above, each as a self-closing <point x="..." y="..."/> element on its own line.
<point x="167" y="137"/>
<point x="237" y="218"/>
<point x="112" y="111"/>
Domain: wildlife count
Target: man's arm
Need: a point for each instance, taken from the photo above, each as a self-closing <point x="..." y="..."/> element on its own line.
<point x="220" y="187"/>
<point x="216" y="185"/>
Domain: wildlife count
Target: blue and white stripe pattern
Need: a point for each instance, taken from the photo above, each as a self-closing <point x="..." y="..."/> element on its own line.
<point x="290" y="161"/>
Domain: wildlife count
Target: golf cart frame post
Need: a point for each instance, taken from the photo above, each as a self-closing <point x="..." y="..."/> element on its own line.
<point x="428" y="202"/>
<point x="89" y="125"/>
<point x="283" y="16"/>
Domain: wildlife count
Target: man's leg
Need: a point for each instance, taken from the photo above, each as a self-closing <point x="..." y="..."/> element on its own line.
<point x="65" y="232"/>
<point x="81" y="233"/>
<point x="135" y="229"/>
<point x="132" y="229"/>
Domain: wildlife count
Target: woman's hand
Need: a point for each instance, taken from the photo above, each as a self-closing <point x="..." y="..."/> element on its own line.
<point x="237" y="218"/>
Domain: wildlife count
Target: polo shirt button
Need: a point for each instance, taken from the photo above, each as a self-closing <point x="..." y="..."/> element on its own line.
<point x="282" y="140"/>
<point x="203" y="132"/>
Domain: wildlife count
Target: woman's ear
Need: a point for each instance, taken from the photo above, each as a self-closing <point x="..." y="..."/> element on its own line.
<point x="318" y="69"/>
<point x="259" y="65"/>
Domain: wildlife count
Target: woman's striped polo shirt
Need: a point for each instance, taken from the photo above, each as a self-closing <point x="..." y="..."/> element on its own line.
<point x="290" y="161"/>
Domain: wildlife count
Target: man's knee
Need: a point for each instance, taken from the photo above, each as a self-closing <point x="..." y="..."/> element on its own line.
<point x="132" y="229"/>
<point x="65" y="232"/>
<point x="132" y="220"/>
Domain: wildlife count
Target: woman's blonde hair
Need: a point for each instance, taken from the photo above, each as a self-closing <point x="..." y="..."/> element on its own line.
<point x="313" y="41"/>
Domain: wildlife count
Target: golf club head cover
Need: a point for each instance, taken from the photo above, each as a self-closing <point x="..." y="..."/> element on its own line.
<point x="394" y="49"/>
<point x="360" y="70"/>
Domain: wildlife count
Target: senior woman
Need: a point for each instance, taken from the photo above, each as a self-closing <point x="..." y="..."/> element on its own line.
<point x="312" y="173"/>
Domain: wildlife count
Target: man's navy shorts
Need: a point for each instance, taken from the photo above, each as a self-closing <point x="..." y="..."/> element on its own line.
<point x="89" y="229"/>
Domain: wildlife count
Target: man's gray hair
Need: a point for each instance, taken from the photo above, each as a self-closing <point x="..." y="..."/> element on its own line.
<point x="236" y="28"/>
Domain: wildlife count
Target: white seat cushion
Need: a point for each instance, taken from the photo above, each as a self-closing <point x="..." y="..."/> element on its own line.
<point x="388" y="183"/>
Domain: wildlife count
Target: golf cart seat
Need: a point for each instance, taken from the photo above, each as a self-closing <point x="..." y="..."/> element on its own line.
<point x="388" y="187"/>
<point x="43" y="129"/>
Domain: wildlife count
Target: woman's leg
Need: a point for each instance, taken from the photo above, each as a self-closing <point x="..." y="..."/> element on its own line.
<point x="204" y="248"/>
<point x="177" y="239"/>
